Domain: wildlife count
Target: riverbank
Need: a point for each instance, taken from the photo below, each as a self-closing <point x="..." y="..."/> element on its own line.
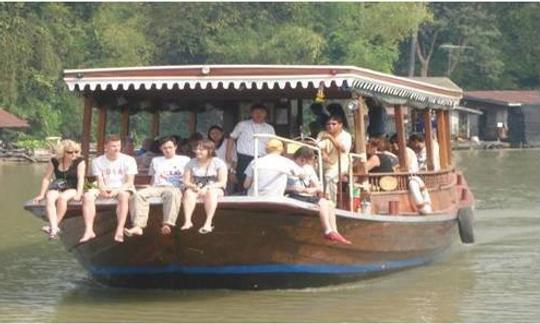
<point x="44" y="155"/>
<point x="487" y="145"/>
<point x="25" y="155"/>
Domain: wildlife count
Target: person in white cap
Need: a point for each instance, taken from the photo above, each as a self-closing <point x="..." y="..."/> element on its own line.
<point x="272" y="172"/>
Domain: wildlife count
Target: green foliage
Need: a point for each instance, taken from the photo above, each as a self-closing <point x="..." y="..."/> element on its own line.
<point x="481" y="45"/>
<point x="31" y="143"/>
<point x="39" y="40"/>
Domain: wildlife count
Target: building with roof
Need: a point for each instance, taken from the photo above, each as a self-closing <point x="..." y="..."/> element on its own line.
<point x="463" y="120"/>
<point x="512" y="115"/>
<point x="8" y="120"/>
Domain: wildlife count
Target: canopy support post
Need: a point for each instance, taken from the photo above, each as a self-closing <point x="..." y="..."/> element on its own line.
<point x="448" y="137"/>
<point x="154" y="124"/>
<point x="192" y="122"/>
<point x="428" y="131"/>
<point x="360" y="135"/>
<point x="400" y="131"/>
<point x="101" y="129"/>
<point x="360" y="146"/>
<point x="86" y="127"/>
<point x="124" y="123"/>
<point x="443" y="146"/>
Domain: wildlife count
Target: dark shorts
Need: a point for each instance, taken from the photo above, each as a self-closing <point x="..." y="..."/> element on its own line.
<point x="308" y="199"/>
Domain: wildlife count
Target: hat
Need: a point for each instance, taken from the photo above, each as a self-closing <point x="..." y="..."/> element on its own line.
<point x="274" y="145"/>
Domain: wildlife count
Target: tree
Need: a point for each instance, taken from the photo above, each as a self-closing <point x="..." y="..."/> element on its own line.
<point x="461" y="26"/>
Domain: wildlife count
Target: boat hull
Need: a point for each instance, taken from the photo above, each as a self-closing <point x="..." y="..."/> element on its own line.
<point x="256" y="245"/>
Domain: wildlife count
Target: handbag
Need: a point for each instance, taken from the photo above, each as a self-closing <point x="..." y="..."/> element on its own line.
<point x="58" y="184"/>
<point x="203" y="181"/>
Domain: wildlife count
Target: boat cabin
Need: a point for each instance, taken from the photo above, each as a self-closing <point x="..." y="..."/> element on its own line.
<point x="202" y="95"/>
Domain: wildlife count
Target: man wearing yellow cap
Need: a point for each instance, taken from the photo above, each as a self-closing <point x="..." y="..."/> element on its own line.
<point x="272" y="170"/>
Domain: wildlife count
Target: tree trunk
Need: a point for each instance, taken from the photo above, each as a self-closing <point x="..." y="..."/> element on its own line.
<point x="412" y="55"/>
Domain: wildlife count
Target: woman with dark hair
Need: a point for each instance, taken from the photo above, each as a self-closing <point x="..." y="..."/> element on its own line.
<point x="379" y="159"/>
<point x="205" y="176"/>
<point x="216" y="135"/>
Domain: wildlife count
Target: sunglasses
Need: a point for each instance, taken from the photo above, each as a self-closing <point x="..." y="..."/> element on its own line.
<point x="71" y="152"/>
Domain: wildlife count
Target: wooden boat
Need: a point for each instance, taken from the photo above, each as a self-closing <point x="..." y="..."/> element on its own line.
<point x="259" y="243"/>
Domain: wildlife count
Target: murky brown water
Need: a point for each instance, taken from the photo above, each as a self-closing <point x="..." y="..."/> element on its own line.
<point x="495" y="280"/>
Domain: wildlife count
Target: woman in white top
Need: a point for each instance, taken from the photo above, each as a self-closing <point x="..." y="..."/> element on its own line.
<point x="205" y="176"/>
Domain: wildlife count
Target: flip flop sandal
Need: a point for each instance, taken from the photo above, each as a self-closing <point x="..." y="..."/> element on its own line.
<point x="203" y="230"/>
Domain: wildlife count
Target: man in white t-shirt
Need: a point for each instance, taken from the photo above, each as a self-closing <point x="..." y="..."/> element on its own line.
<point x="167" y="173"/>
<point x="115" y="173"/>
<point x="245" y="143"/>
<point x="335" y="144"/>
<point x="272" y="170"/>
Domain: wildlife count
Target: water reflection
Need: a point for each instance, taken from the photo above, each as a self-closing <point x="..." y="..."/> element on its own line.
<point x="410" y="293"/>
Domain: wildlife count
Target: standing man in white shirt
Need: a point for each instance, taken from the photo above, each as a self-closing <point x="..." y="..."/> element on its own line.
<point x="115" y="173"/>
<point x="335" y="143"/>
<point x="272" y="170"/>
<point x="245" y="143"/>
<point x="167" y="173"/>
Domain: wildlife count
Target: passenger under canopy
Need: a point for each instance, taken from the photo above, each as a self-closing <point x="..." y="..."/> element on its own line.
<point x="288" y="90"/>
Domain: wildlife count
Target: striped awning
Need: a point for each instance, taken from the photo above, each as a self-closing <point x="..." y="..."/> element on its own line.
<point x="389" y="88"/>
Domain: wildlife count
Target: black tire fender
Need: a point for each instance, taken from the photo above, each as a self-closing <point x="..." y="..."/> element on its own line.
<point x="465" y="219"/>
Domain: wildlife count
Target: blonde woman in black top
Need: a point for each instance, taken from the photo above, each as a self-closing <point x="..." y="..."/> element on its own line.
<point x="69" y="169"/>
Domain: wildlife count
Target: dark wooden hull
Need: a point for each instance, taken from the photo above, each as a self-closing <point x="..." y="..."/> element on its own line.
<point x="256" y="245"/>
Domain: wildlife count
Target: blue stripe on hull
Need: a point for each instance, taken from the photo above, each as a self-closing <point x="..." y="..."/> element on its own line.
<point x="330" y="269"/>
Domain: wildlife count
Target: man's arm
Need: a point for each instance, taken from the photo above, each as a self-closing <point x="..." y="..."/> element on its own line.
<point x="230" y="148"/>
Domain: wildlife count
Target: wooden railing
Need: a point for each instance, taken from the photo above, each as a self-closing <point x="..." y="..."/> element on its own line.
<point x="432" y="179"/>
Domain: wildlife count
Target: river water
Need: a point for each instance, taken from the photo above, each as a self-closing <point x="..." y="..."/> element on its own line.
<point x="495" y="280"/>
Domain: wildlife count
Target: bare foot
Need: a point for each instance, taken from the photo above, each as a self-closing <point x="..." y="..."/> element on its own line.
<point x="87" y="237"/>
<point x="119" y="237"/>
<point x="166" y="229"/>
<point x="135" y="230"/>
<point x="186" y="226"/>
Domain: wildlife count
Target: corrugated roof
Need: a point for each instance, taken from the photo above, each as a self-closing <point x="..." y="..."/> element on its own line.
<point x="505" y="97"/>
<point x="264" y="77"/>
<point x="438" y="81"/>
<point x="8" y="120"/>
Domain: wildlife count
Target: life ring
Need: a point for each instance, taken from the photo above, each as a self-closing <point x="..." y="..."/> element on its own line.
<point x="420" y="195"/>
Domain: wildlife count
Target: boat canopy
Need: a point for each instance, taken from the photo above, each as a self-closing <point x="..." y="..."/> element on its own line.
<point x="270" y="78"/>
